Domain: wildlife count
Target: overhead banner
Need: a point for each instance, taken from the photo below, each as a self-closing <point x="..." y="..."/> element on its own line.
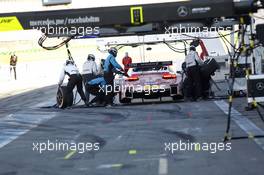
<point x="9" y="23"/>
<point x="119" y="20"/>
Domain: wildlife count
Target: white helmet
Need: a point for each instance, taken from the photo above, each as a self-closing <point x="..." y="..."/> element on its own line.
<point x="91" y="57"/>
<point x="69" y="62"/>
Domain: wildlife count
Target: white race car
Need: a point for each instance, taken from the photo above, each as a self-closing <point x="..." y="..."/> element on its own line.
<point x="150" y="80"/>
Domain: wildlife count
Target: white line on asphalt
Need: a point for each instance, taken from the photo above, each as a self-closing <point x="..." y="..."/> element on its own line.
<point x="158" y="156"/>
<point x="50" y="102"/>
<point x="163" y="166"/>
<point x="119" y="137"/>
<point x="244" y="123"/>
<point x="145" y="160"/>
<point x="14" y="125"/>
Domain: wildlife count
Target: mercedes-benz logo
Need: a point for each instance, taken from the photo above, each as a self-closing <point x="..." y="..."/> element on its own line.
<point x="260" y="86"/>
<point x="182" y="11"/>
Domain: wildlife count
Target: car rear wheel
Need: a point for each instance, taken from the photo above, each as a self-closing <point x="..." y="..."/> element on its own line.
<point x="63" y="99"/>
<point x="177" y="97"/>
<point x="125" y="100"/>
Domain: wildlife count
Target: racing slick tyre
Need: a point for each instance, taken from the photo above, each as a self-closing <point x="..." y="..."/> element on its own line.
<point x="63" y="99"/>
<point x="177" y="97"/>
<point x="125" y="100"/>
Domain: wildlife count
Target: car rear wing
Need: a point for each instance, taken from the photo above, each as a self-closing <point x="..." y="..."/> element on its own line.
<point x="150" y="64"/>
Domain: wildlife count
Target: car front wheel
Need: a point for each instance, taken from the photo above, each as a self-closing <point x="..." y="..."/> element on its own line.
<point x="64" y="99"/>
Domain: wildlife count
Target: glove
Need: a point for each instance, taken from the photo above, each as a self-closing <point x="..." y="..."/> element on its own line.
<point x="122" y="70"/>
<point x="125" y="74"/>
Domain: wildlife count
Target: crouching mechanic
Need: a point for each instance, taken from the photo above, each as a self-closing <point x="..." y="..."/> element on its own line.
<point x="96" y="87"/>
<point x="75" y="78"/>
<point x="110" y="67"/>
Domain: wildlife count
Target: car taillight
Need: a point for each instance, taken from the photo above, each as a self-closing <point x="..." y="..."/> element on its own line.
<point x="169" y="76"/>
<point x="133" y="78"/>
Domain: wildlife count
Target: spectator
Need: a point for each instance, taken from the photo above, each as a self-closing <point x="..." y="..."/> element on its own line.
<point x="126" y="62"/>
<point x="13" y="63"/>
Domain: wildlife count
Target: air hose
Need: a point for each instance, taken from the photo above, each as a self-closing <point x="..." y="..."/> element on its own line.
<point x="247" y="49"/>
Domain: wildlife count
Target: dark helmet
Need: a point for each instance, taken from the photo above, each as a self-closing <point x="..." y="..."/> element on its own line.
<point x="193" y="48"/>
<point x="91" y="57"/>
<point x="113" y="51"/>
<point x="102" y="61"/>
<point x="69" y="62"/>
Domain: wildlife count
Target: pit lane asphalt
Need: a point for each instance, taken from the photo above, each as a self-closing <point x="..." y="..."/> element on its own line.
<point x="131" y="138"/>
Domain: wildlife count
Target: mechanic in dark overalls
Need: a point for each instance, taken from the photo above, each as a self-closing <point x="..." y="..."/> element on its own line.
<point x="75" y="79"/>
<point x="110" y="67"/>
<point x="96" y="87"/>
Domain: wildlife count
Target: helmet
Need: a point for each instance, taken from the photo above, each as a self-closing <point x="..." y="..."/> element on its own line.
<point x="102" y="61"/>
<point x="69" y="62"/>
<point x="91" y="57"/>
<point x="193" y="48"/>
<point x="113" y="51"/>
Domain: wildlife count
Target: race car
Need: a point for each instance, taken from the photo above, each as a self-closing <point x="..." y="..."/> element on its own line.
<point x="150" y="80"/>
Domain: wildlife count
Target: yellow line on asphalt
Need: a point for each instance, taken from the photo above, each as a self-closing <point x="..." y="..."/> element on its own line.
<point x="117" y="165"/>
<point x="70" y="154"/>
<point x="132" y="152"/>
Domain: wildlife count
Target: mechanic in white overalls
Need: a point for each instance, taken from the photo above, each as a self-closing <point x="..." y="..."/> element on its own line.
<point x="89" y="72"/>
<point x="193" y="63"/>
<point x="75" y="78"/>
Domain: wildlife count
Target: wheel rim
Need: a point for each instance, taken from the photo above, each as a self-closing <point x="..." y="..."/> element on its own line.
<point x="59" y="98"/>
